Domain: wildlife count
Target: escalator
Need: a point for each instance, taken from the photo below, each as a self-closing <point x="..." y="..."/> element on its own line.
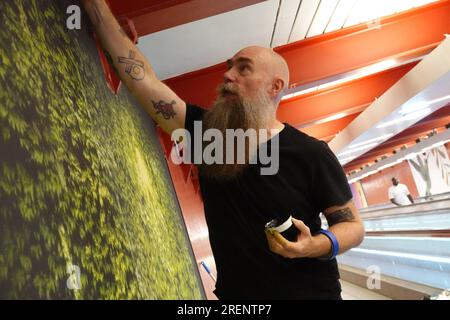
<point x="409" y="246"/>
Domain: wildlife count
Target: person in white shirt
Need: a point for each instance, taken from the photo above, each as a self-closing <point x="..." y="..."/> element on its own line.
<point x="399" y="193"/>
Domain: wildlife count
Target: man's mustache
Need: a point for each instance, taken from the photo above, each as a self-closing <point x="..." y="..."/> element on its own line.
<point x="228" y="88"/>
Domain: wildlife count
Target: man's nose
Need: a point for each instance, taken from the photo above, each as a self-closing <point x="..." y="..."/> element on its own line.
<point x="228" y="76"/>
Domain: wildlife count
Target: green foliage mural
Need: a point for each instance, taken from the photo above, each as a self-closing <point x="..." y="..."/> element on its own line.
<point x="82" y="177"/>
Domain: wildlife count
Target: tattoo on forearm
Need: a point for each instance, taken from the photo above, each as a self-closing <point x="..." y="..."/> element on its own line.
<point x="134" y="68"/>
<point x="341" y="215"/>
<point x="165" y="108"/>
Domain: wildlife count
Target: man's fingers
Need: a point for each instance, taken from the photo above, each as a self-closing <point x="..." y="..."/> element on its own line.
<point x="286" y="246"/>
<point x="274" y="246"/>
<point x="300" y="225"/>
<point x="279" y="245"/>
<point x="280" y="239"/>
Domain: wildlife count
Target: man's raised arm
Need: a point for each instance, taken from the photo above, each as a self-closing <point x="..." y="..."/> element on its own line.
<point x="164" y="106"/>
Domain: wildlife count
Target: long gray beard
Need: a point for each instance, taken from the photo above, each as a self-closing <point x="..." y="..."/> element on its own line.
<point x="235" y="113"/>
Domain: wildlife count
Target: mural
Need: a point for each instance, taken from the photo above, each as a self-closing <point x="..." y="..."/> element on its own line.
<point x="431" y="171"/>
<point x="359" y="197"/>
<point x="87" y="210"/>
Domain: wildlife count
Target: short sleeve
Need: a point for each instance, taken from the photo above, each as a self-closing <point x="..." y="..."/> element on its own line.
<point x="406" y="190"/>
<point x="329" y="183"/>
<point x="391" y="193"/>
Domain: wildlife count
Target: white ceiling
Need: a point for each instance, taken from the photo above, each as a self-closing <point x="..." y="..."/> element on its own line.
<point x="212" y="40"/>
<point x="208" y="41"/>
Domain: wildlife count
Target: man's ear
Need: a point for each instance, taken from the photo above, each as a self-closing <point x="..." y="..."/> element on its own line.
<point x="277" y="87"/>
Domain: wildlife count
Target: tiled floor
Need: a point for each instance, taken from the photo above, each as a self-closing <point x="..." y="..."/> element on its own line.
<point x="353" y="292"/>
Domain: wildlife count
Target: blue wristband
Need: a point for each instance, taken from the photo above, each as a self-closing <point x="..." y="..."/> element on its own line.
<point x="334" y="243"/>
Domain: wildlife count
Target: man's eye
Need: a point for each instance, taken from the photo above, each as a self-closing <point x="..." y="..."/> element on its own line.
<point x="244" y="68"/>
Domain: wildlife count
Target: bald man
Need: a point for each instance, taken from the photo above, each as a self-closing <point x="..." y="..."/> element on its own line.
<point x="253" y="259"/>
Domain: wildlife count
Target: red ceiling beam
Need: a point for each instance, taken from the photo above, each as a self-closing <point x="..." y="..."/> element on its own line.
<point x="408" y="34"/>
<point x="150" y="16"/>
<point x="314" y="106"/>
<point x="324" y="131"/>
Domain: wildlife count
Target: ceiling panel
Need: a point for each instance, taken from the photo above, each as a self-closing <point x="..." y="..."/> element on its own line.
<point x="340" y="15"/>
<point x="352" y="12"/>
<point x="404" y="5"/>
<point x="286" y="17"/>
<point x="212" y="40"/>
<point x="305" y="16"/>
<point x="323" y="17"/>
<point x="388" y="7"/>
<point x="209" y="41"/>
<point x="363" y="11"/>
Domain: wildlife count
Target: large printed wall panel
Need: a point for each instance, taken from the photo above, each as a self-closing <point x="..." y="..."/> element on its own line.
<point x="431" y="171"/>
<point x="87" y="209"/>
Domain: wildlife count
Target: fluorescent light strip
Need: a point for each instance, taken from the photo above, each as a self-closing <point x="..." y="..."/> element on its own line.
<point x="367" y="146"/>
<point x="413" y="256"/>
<point x="408" y="238"/>
<point x="416" y="111"/>
<point x="363" y="72"/>
<point x="421" y="105"/>
<point x="334" y="117"/>
<point x="346" y="159"/>
<point x="411" y="116"/>
<point x="386" y="136"/>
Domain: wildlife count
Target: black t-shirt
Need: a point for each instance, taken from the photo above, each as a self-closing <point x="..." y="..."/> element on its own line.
<point x="309" y="180"/>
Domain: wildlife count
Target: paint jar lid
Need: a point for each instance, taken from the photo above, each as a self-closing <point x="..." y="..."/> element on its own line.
<point x="278" y="225"/>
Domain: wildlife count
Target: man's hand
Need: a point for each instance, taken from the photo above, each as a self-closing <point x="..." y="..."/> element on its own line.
<point x="305" y="246"/>
<point x="343" y="220"/>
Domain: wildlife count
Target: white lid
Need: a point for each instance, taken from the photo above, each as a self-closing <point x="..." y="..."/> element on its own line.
<point x="284" y="226"/>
